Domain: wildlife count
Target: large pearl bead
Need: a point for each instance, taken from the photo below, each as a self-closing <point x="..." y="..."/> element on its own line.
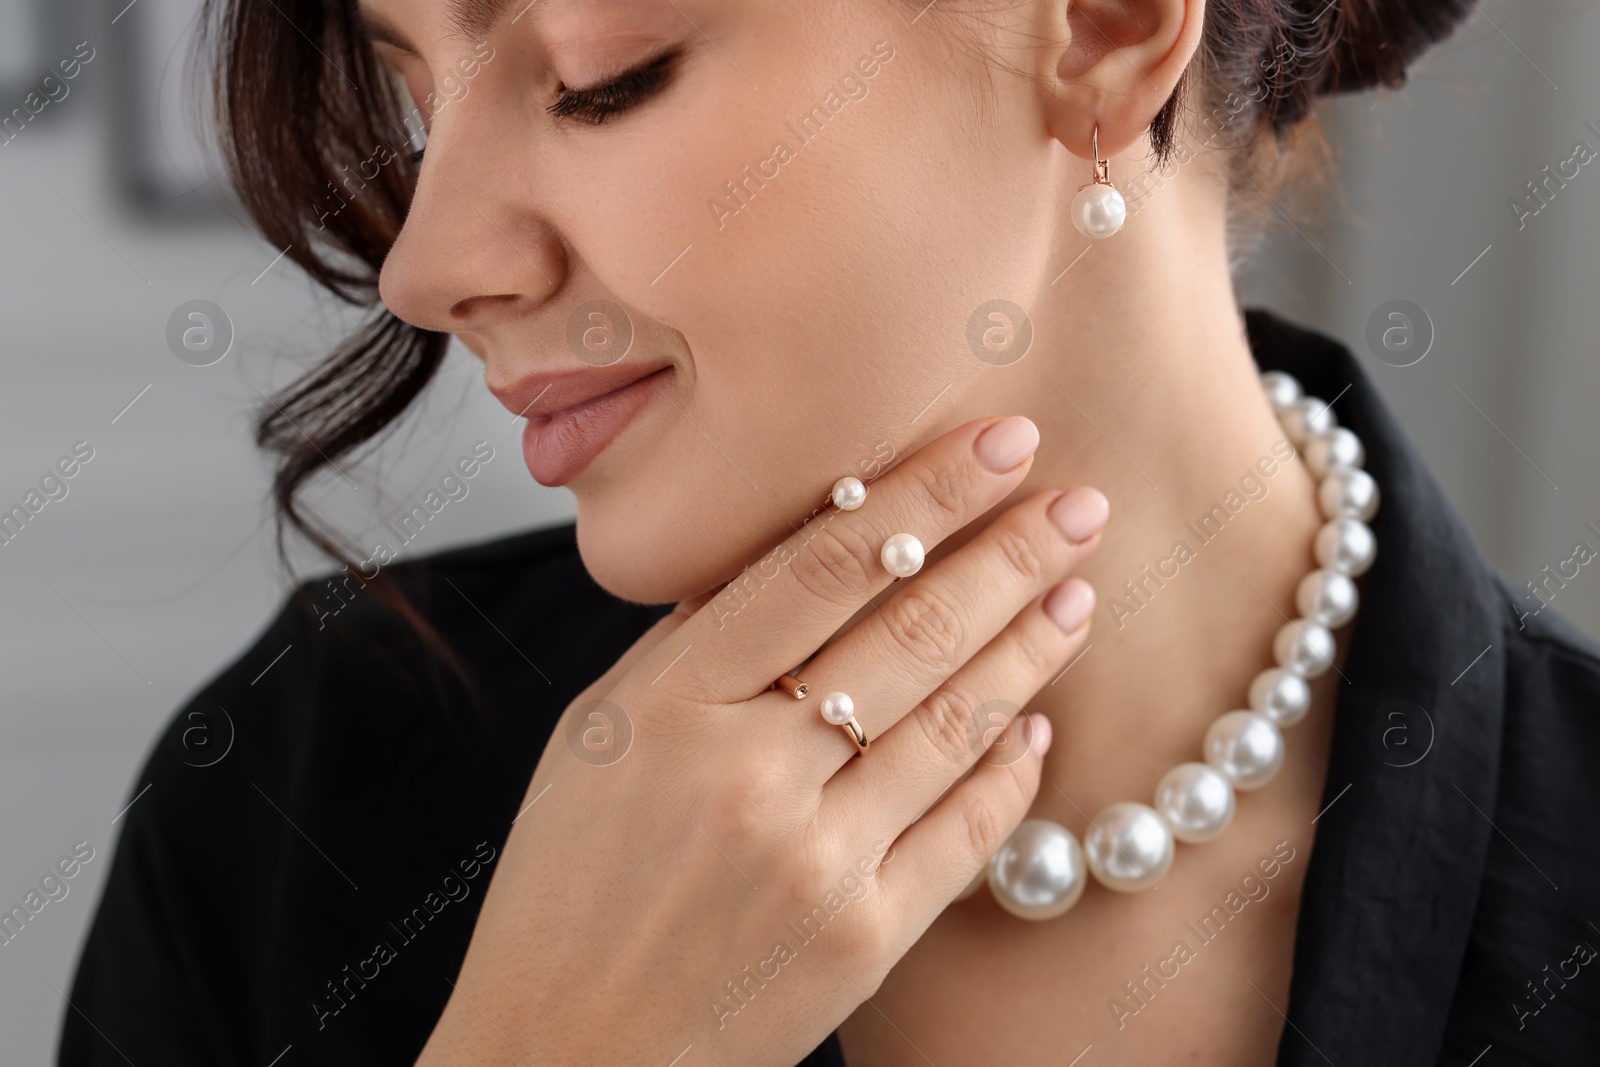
<point x="848" y="493"/>
<point x="1348" y="491"/>
<point x="1328" y="597"/>
<point x="1346" y="545"/>
<point x="1282" y="696"/>
<point x="1282" y="389"/>
<point x="902" y="555"/>
<point x="1196" y="800"/>
<point x="1039" y="872"/>
<point x="1304" y="646"/>
<point x="1246" y="747"/>
<point x="1336" y="448"/>
<point x="1129" y="847"/>
<point x="1098" y="210"/>
<point x="1308" y="417"/>
<point x="838" y="708"/>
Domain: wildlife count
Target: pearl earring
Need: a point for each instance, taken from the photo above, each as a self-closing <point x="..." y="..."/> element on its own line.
<point x="1098" y="210"/>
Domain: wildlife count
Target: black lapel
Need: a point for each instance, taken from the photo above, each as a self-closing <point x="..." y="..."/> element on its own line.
<point x="1398" y="855"/>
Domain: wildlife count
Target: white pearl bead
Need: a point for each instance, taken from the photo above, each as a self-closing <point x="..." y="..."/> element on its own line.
<point x="838" y="708"/>
<point x="1328" y="597"/>
<point x="1282" y="389"/>
<point x="977" y="882"/>
<point x="902" y="555"/>
<point x="1304" y="646"/>
<point x="1336" y="448"/>
<point x="1098" y="210"/>
<point x="849" y="493"/>
<point x="1246" y="747"/>
<point x="1039" y="872"/>
<point x="1196" y="800"/>
<point x="1347" y="546"/>
<point x="1348" y="491"/>
<point x="1282" y="696"/>
<point x="1129" y="847"/>
<point x="1308" y="417"/>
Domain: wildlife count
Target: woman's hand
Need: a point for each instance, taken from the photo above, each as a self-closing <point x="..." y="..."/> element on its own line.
<point x="737" y="884"/>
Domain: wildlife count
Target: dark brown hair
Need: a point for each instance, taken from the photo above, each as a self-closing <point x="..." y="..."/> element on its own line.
<point x="1301" y="50"/>
<point x="301" y="103"/>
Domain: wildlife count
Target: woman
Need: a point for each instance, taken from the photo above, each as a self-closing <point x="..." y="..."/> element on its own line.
<point x="830" y="319"/>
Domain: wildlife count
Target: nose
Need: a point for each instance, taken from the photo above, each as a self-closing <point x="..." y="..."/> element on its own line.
<point x="470" y="254"/>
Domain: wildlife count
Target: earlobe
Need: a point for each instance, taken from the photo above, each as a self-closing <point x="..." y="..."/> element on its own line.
<point x="1114" y="64"/>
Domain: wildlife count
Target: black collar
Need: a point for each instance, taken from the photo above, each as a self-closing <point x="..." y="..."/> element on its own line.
<point x="1401" y="844"/>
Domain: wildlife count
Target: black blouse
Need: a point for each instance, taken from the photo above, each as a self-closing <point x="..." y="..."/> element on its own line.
<point x="302" y="876"/>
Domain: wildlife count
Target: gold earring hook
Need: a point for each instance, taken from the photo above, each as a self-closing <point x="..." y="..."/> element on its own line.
<point x="1102" y="167"/>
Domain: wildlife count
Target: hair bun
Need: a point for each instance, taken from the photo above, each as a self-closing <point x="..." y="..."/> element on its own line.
<point x="1316" y="48"/>
<point x="1375" y="41"/>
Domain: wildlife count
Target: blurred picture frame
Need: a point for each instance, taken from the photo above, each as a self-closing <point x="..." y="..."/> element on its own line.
<point x="161" y="166"/>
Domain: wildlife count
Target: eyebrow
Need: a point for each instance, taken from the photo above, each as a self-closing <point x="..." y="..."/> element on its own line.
<point x="470" y="18"/>
<point x="473" y="18"/>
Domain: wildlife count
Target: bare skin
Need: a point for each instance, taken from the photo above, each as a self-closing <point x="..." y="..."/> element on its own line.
<point x="827" y="315"/>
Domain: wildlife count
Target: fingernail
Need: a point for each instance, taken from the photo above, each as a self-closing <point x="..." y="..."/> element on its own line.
<point x="1042" y="734"/>
<point x="1070" y="603"/>
<point x="1081" y="514"/>
<point x="1006" y="443"/>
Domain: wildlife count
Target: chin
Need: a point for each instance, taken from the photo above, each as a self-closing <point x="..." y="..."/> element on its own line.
<point x="649" y="557"/>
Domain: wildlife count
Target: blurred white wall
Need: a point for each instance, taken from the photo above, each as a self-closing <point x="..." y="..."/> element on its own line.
<point x="156" y="568"/>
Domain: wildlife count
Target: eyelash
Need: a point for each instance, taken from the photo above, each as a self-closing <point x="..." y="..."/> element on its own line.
<point x="594" y="106"/>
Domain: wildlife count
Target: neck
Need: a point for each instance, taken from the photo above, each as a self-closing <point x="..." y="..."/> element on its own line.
<point x="1142" y="385"/>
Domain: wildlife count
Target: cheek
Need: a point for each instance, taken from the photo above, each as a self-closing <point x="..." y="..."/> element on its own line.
<point x="824" y="308"/>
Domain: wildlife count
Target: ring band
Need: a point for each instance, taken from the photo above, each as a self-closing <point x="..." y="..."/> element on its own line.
<point x="858" y="737"/>
<point x="792" y="685"/>
<point x="839" y="710"/>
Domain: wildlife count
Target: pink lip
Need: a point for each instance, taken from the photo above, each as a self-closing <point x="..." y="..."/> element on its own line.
<point x="559" y="446"/>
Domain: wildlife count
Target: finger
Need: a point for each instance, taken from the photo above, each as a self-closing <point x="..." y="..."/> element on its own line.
<point x="781" y="610"/>
<point x="967" y="719"/>
<point x="924" y="633"/>
<point x="938" y="855"/>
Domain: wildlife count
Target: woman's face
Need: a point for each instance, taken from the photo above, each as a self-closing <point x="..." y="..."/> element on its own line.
<point x="798" y="211"/>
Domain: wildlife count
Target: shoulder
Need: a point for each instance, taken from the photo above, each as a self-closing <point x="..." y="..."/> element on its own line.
<point x="326" y="795"/>
<point x="1524" y="983"/>
<point x="338" y="673"/>
<point x="341" y="703"/>
<point x="1552" y="670"/>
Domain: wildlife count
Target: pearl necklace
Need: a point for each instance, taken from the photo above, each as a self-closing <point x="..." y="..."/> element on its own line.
<point x="1041" y="870"/>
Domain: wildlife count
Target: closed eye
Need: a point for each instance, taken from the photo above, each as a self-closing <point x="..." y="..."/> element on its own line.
<point x="595" y="105"/>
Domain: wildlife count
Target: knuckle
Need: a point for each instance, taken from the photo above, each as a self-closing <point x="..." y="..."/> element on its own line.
<point x="1038" y="658"/>
<point x="1024" y="779"/>
<point x="1020" y="554"/>
<point x="948" y="719"/>
<point x="986" y="823"/>
<point x="835" y="565"/>
<point x="744" y="805"/>
<point x="813" y="864"/>
<point x="945" y="489"/>
<point x="873" y="949"/>
<point x="926" y="625"/>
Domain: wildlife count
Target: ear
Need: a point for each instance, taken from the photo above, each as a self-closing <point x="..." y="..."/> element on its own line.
<point x="1112" y="63"/>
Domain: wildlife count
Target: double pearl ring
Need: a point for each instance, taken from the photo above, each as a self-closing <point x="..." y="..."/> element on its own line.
<point x="902" y="555"/>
